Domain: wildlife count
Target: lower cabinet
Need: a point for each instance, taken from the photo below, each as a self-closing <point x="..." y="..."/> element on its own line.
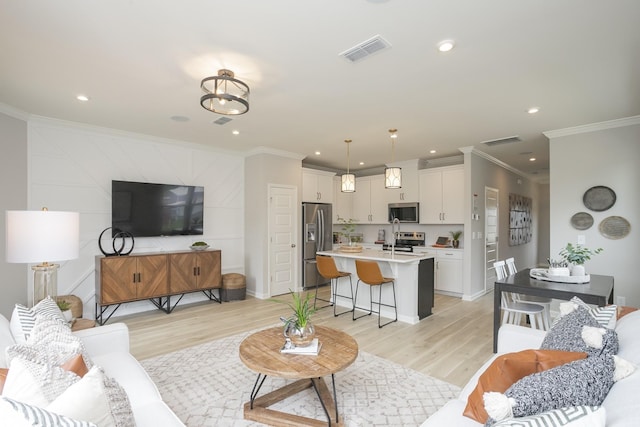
<point x="154" y="277"/>
<point x="449" y="271"/>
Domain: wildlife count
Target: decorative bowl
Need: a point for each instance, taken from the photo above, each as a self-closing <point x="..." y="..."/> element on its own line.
<point x="198" y="247"/>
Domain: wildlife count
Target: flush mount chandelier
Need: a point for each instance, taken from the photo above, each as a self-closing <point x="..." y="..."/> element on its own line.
<point x="224" y="94"/>
<point x="348" y="179"/>
<point x="393" y="175"/>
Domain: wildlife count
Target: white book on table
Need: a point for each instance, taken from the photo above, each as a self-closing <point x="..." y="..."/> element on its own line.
<point x="312" y="349"/>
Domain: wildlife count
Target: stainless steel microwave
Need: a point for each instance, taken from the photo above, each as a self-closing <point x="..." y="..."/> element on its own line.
<point x="404" y="212"/>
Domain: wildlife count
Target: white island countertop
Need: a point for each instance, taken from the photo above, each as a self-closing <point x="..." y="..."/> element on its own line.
<point x="380" y="255"/>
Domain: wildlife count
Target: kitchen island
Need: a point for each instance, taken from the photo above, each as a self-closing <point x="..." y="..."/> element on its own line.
<point x="413" y="273"/>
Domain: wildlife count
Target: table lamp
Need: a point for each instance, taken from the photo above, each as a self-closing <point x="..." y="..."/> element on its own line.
<point x="42" y="236"/>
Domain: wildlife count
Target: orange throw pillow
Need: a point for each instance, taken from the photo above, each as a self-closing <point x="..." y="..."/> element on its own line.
<point x="76" y="365"/>
<point x="508" y="369"/>
<point x="3" y="378"/>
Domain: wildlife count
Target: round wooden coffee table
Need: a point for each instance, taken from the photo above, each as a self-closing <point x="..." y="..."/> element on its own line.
<point x="260" y="352"/>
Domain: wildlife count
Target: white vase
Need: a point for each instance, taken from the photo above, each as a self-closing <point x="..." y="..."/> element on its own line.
<point x="578" y="270"/>
<point x="558" y="271"/>
<point x="67" y="315"/>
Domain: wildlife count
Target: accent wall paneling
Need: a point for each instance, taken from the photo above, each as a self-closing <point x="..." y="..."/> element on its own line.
<point x="71" y="166"/>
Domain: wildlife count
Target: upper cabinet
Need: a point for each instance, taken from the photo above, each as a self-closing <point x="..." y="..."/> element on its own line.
<point x="442" y="195"/>
<point x="342" y="202"/>
<point x="410" y="189"/>
<point x="369" y="203"/>
<point x="317" y="186"/>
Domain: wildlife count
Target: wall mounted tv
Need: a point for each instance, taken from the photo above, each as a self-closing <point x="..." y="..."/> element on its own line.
<point x="145" y="209"/>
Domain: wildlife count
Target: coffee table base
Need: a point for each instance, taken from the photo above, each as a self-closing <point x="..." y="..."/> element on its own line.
<point x="263" y="414"/>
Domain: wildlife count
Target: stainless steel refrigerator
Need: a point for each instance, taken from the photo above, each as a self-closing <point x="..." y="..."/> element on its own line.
<point x="317" y="236"/>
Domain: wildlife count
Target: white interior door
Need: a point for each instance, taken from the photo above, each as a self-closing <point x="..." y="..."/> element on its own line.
<point x="283" y="236"/>
<point x="491" y="222"/>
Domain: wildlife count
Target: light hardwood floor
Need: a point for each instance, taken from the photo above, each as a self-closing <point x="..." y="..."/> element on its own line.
<point x="451" y="344"/>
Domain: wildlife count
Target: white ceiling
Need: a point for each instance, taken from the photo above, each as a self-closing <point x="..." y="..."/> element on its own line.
<point x="141" y="62"/>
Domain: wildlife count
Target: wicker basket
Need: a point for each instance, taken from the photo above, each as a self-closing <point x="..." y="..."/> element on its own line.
<point x="234" y="287"/>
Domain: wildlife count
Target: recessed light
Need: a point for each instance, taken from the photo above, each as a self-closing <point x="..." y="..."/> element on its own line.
<point x="446" y="45"/>
<point x="317" y="153"/>
<point x="533" y="110"/>
<point x="235" y="132"/>
<point x="83" y="98"/>
<point x="361" y="163"/>
<point x="432" y="151"/>
<point x="532" y="159"/>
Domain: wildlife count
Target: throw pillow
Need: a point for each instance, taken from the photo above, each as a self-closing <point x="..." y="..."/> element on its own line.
<point x="508" y="369"/>
<point x="19" y="414"/>
<point x="577" y="416"/>
<point x="96" y="398"/>
<point x="581" y="383"/>
<point x="567" y="335"/>
<point x="3" y="378"/>
<point x="606" y="316"/>
<point x="54" y="338"/>
<point x="23" y="319"/>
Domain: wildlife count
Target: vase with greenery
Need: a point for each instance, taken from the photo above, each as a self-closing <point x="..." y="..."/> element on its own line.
<point x="65" y="308"/>
<point x="348" y="228"/>
<point x="577" y="255"/>
<point x="298" y="327"/>
<point x="455" y="238"/>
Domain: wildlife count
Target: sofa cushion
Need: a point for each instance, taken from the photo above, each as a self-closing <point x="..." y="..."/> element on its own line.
<point x="508" y="369"/>
<point x="568" y="335"/>
<point x="622" y="403"/>
<point x="450" y="415"/>
<point x="19" y="414"/>
<point x="579" y="416"/>
<point x="23" y="319"/>
<point x="627" y="330"/>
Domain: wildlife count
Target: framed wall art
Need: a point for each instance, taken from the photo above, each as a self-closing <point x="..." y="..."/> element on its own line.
<point x="519" y="219"/>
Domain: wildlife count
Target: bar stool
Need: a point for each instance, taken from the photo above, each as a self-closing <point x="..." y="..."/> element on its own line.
<point x="327" y="269"/>
<point x="369" y="273"/>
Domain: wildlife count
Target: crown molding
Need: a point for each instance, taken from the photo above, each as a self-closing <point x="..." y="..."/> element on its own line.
<point x="473" y="150"/>
<point x="594" y="127"/>
<point x="274" y="152"/>
<point x="14" y="112"/>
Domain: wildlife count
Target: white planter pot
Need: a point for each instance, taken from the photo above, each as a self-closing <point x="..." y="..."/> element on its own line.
<point x="67" y="315"/>
<point x="578" y="270"/>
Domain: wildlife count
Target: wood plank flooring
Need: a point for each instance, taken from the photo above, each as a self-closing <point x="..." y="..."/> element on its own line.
<point x="451" y="344"/>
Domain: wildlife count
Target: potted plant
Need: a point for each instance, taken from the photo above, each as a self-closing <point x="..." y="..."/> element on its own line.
<point x="577" y="255"/>
<point x="348" y="227"/>
<point x="65" y="308"/>
<point x="298" y="327"/>
<point x="455" y="238"/>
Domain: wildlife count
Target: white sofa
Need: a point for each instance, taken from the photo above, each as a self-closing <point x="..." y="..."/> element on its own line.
<point x="108" y="347"/>
<point x="622" y="404"/>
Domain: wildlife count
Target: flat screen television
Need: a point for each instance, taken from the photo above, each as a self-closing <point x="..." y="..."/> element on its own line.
<point x="146" y="209"/>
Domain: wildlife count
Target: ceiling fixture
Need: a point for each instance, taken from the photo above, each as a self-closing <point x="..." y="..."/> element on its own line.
<point x="348" y="179"/>
<point x="533" y="110"/>
<point x="224" y="94"/>
<point x="393" y="175"/>
<point x="446" y="45"/>
<point x="366" y="48"/>
<point x="83" y="98"/>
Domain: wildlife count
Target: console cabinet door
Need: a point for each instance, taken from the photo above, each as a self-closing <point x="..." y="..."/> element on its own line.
<point x="194" y="271"/>
<point x="117" y="279"/>
<point x="209" y="270"/>
<point x="153" y="276"/>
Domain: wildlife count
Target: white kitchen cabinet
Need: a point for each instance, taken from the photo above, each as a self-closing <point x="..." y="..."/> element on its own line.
<point x="449" y="271"/>
<point x="442" y="195"/>
<point x="342" y="202"/>
<point x="369" y="203"/>
<point x="410" y="185"/>
<point x="317" y="186"/>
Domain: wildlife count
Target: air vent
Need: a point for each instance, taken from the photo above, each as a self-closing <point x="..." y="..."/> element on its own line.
<point x="222" y="121"/>
<point x="366" y="48"/>
<point x="501" y="141"/>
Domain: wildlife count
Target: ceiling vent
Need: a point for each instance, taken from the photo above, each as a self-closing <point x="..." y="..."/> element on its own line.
<point x="502" y="141"/>
<point x="366" y="48"/>
<point x="222" y="121"/>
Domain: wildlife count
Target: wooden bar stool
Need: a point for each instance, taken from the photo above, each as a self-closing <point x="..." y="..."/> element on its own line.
<point x="327" y="269"/>
<point x="369" y="273"/>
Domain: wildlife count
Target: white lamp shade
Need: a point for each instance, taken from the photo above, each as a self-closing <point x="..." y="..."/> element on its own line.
<point x="42" y="236"/>
<point x="348" y="183"/>
<point x="393" y="178"/>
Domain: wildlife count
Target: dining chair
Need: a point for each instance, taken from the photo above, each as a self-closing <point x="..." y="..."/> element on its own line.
<point x="512" y="310"/>
<point x="545" y="302"/>
<point x="327" y="268"/>
<point x="369" y="273"/>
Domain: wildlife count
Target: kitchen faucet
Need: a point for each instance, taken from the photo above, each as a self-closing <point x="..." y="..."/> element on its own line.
<point x="394" y="233"/>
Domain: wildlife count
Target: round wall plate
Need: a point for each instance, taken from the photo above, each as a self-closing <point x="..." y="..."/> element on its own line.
<point x="614" y="227"/>
<point x="599" y="198"/>
<point x="582" y="221"/>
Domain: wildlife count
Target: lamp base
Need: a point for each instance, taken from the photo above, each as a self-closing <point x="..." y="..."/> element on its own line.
<point x="45" y="282"/>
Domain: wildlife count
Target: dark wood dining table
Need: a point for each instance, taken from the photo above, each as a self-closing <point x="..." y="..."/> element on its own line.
<point x="598" y="291"/>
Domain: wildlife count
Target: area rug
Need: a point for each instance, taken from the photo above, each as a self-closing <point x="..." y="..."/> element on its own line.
<point x="207" y="385"/>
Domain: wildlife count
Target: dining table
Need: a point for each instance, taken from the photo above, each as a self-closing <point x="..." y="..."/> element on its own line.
<point x="598" y="291"/>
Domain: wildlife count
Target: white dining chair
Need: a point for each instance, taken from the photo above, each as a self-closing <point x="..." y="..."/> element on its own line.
<point x="545" y="302"/>
<point x="512" y="310"/>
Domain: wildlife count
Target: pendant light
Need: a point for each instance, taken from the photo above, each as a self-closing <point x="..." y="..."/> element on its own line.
<point x="393" y="175"/>
<point x="224" y="94"/>
<point x="348" y="179"/>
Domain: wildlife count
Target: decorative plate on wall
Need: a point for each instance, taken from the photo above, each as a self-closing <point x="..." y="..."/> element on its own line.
<point x="599" y="198"/>
<point x="614" y="227"/>
<point x="582" y="221"/>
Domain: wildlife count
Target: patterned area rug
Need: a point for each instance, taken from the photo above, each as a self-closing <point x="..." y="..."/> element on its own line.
<point x="207" y="385"/>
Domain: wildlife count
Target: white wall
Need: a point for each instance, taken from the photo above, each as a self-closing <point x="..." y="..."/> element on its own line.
<point x="71" y="168"/>
<point x="603" y="154"/>
<point x="13" y="188"/>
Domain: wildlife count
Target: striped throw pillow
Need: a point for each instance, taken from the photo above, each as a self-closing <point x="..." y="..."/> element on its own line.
<point x="577" y="416"/>
<point x="605" y="316"/>
<point x="23" y="319"/>
<point x="34" y="416"/>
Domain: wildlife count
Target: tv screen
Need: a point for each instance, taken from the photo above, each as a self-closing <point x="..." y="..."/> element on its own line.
<point x="145" y="209"/>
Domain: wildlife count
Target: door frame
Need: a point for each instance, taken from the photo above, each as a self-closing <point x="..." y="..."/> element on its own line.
<point x="295" y="274"/>
<point x="489" y="271"/>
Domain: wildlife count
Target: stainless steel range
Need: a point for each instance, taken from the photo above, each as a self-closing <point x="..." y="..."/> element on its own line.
<point x="405" y="241"/>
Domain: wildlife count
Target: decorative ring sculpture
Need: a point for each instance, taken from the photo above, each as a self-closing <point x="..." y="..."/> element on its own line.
<point x="118" y="234"/>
